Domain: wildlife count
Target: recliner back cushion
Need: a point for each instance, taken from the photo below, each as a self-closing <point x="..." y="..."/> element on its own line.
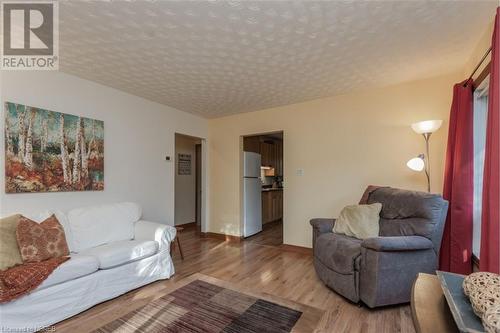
<point x="407" y="213"/>
<point x="103" y="224"/>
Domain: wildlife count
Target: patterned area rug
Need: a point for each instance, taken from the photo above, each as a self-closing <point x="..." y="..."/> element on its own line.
<point x="205" y="304"/>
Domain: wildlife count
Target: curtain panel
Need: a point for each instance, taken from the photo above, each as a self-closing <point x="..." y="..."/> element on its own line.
<point x="456" y="246"/>
<point x="490" y="230"/>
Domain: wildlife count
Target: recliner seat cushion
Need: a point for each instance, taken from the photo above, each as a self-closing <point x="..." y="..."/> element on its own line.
<point x="76" y="267"/>
<point x="338" y="252"/>
<point x="122" y="252"/>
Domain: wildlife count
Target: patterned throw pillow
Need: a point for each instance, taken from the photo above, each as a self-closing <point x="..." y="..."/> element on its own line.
<point x="38" y="242"/>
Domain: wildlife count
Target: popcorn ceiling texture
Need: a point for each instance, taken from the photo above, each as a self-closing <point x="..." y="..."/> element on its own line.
<point x="215" y="58"/>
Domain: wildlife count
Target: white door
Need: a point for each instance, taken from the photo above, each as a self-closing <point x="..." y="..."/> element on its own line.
<point x="252" y="206"/>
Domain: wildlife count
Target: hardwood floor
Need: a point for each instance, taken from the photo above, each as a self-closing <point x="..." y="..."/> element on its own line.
<point x="261" y="268"/>
<point x="271" y="234"/>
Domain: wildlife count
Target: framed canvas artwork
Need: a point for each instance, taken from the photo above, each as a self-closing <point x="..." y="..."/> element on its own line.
<point x="47" y="151"/>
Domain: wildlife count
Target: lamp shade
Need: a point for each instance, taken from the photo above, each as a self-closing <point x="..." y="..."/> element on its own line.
<point x="416" y="164"/>
<point x="427" y="126"/>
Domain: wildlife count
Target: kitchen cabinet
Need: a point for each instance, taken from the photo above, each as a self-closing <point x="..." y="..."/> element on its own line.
<point x="279" y="159"/>
<point x="272" y="155"/>
<point x="266" y="151"/>
<point x="272" y="206"/>
<point x="251" y="144"/>
<point x="270" y="149"/>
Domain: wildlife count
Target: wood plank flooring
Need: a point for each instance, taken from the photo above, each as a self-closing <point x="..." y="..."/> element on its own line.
<point x="262" y="268"/>
<point x="271" y="234"/>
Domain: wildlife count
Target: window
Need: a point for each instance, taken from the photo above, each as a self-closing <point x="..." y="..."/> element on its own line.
<point x="480" y="118"/>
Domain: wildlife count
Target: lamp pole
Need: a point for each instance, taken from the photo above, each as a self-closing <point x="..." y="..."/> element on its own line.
<point x="426" y="128"/>
<point x="427" y="161"/>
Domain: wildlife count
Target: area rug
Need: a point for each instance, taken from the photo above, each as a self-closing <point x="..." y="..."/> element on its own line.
<point x="204" y="304"/>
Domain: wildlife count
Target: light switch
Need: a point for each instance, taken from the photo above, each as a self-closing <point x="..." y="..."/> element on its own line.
<point x="300" y="172"/>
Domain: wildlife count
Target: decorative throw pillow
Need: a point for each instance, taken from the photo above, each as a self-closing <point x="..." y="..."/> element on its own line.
<point x="359" y="221"/>
<point x="38" y="242"/>
<point x="9" y="251"/>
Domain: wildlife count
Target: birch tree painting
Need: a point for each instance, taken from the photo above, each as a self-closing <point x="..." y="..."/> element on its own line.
<point x="48" y="151"/>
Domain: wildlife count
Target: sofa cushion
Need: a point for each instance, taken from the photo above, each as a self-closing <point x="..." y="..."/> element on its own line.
<point x="338" y="252"/>
<point x="104" y="224"/>
<point x="122" y="252"/>
<point x="77" y="266"/>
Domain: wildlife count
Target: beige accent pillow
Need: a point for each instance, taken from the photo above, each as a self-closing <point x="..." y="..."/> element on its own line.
<point x="9" y="250"/>
<point x="359" y="221"/>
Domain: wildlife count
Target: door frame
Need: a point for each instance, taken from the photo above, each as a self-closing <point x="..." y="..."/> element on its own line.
<point x="241" y="150"/>
<point x="198" y="184"/>
<point x="204" y="180"/>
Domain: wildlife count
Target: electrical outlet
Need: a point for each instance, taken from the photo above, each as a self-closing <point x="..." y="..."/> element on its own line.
<point x="300" y="172"/>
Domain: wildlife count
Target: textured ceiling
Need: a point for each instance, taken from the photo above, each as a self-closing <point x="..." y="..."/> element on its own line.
<point x="216" y="58"/>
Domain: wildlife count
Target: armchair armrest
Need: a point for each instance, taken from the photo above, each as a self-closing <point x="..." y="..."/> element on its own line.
<point x="400" y="243"/>
<point x="321" y="226"/>
<point x="162" y="233"/>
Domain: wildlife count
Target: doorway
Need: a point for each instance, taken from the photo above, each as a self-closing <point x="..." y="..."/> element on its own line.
<point x="268" y="149"/>
<point x="198" y="186"/>
<point x="188" y="182"/>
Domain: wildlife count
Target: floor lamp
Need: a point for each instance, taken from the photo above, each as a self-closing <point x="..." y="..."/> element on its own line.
<point x="422" y="161"/>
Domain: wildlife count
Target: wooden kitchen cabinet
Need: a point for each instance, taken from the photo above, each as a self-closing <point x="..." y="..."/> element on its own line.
<point x="272" y="206"/>
<point x="267" y="154"/>
<point x="267" y="205"/>
<point x="277" y="199"/>
<point x="270" y="149"/>
<point x="272" y="154"/>
<point x="251" y="144"/>
<point x="279" y="159"/>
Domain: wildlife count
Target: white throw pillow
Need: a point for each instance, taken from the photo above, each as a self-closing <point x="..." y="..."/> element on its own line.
<point x="98" y="225"/>
<point x="359" y="221"/>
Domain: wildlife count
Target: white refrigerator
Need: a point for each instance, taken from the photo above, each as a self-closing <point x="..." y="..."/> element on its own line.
<point x="252" y="191"/>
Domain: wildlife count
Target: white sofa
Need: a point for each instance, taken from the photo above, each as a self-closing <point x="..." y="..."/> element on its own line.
<point x="112" y="251"/>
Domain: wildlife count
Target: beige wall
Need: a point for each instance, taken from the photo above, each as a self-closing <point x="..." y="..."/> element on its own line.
<point x="185" y="185"/>
<point x="342" y="143"/>
<point x="478" y="52"/>
<point x="135" y="143"/>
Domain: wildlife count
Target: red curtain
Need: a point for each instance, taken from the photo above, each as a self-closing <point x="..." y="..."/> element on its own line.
<point x="490" y="231"/>
<point x="456" y="247"/>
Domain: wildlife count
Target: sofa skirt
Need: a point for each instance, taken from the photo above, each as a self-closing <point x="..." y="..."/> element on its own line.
<point x="45" y="307"/>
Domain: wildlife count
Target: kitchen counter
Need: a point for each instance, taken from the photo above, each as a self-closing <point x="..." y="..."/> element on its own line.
<point x="269" y="189"/>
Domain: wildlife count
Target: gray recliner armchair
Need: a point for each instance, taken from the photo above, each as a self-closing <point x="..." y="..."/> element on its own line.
<point x="380" y="271"/>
